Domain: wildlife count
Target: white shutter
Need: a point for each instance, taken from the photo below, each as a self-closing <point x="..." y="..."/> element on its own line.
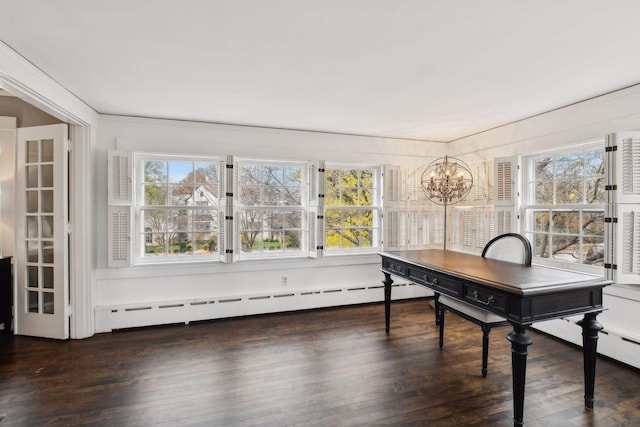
<point x="395" y="229"/>
<point x="119" y="195"/>
<point x="393" y="185"/>
<point x="316" y="233"/>
<point x="119" y="185"/>
<point x="480" y="184"/>
<point x="229" y="216"/>
<point x="627" y="167"/>
<point x="426" y="227"/>
<point x="481" y="229"/>
<point x="503" y="221"/>
<point x="627" y="259"/>
<point x="455" y="229"/>
<point x="438" y="227"/>
<point x="119" y="236"/>
<point x="315" y="222"/>
<point x="622" y="231"/>
<point x="505" y="195"/>
<point x="505" y="174"/>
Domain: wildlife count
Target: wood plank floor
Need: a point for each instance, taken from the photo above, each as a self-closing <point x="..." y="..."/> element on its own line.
<point x="330" y="367"/>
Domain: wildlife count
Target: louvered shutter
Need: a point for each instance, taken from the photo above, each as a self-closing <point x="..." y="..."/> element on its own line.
<point x="623" y="212"/>
<point x="505" y="197"/>
<point x="315" y="223"/>
<point x="230" y="218"/>
<point x="393" y="214"/>
<point x="119" y="194"/>
<point x="481" y="229"/>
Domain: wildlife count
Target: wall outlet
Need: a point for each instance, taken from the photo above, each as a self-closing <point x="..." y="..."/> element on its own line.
<point x="284" y="280"/>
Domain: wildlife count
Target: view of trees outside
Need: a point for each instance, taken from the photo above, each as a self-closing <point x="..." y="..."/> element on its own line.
<point x="180" y="207"/>
<point x="566" y="216"/>
<point x="271" y="208"/>
<point x="350" y="208"/>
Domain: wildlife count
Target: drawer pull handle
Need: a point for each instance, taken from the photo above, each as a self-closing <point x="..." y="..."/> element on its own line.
<point x="397" y="268"/>
<point x="489" y="300"/>
<point x="434" y="281"/>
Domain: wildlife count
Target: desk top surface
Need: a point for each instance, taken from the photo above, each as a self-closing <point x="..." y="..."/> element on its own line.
<point x="511" y="277"/>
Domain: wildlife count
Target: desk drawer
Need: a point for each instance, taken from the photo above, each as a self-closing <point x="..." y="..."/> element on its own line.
<point x="436" y="281"/>
<point x="494" y="301"/>
<point x="395" y="267"/>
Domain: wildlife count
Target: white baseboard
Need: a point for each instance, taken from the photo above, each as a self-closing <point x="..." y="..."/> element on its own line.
<point x="108" y="318"/>
<point x="611" y="343"/>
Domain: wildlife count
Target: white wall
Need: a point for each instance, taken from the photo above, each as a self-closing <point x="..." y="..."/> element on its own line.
<point x="207" y="281"/>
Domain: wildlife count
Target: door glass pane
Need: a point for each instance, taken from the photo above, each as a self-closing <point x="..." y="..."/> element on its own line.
<point x="47" y="226"/>
<point x="32" y="277"/>
<point x="47" y="304"/>
<point x="32" y="227"/>
<point x="32" y="251"/>
<point x="47" y="201"/>
<point x="32" y="301"/>
<point x="32" y="202"/>
<point x="47" y="150"/>
<point x="32" y="176"/>
<point x="47" y="277"/>
<point x="47" y="176"/>
<point x="47" y="253"/>
<point x="32" y="152"/>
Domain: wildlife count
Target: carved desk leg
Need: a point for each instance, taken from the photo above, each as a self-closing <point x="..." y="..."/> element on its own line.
<point x="387" y="300"/>
<point x="590" y="329"/>
<point x="519" y="343"/>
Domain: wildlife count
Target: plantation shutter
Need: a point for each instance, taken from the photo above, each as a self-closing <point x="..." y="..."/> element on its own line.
<point x="622" y="254"/>
<point x="229" y="218"/>
<point x="504" y="197"/>
<point x="393" y="214"/>
<point x="119" y="194"/>
<point x="315" y="223"/>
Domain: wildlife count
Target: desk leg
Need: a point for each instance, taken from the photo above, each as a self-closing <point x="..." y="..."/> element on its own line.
<point x="519" y="343"/>
<point x="590" y="329"/>
<point x="388" y="281"/>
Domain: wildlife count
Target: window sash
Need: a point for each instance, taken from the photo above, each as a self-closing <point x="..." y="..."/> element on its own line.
<point x="558" y="228"/>
<point x="177" y="210"/>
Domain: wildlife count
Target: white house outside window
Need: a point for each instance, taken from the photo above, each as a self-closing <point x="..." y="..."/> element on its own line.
<point x="564" y="206"/>
<point x="177" y="203"/>
<point x="272" y="207"/>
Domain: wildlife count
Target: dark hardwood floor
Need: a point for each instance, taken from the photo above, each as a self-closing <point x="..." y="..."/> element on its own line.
<point x="330" y="367"/>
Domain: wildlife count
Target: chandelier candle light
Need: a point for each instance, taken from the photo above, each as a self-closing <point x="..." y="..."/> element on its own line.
<point x="446" y="181"/>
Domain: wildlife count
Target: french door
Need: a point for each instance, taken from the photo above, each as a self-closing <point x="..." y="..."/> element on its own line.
<point x="41" y="232"/>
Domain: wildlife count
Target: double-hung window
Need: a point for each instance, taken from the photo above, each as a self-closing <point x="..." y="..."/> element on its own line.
<point x="177" y="203"/>
<point x="564" y="206"/>
<point x="271" y="208"/>
<point x="352" y="209"/>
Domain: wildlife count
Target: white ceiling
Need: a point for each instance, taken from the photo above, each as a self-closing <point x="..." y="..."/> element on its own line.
<point x="422" y="69"/>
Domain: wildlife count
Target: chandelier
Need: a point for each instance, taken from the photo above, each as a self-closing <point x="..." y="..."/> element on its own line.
<point x="446" y="180"/>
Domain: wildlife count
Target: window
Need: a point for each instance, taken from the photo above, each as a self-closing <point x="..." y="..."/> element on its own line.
<point x="177" y="202"/>
<point x="352" y="209"/>
<point x="272" y="206"/>
<point x="564" y="206"/>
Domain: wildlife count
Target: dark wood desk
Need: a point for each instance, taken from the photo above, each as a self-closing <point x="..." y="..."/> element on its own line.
<point x="520" y="294"/>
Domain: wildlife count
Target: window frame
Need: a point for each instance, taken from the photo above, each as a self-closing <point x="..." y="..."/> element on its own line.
<point x="528" y="207"/>
<point x="303" y="208"/>
<point x="376" y="208"/>
<point x="140" y="236"/>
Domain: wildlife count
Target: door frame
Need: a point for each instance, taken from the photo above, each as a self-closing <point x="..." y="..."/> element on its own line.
<point x="22" y="79"/>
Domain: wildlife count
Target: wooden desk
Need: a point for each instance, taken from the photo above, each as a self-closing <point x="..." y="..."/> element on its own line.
<point x="520" y="294"/>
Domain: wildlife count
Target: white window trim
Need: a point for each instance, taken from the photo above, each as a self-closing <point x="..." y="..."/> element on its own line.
<point x="526" y="162"/>
<point x="304" y="208"/>
<point x="376" y="208"/>
<point x="138" y="192"/>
